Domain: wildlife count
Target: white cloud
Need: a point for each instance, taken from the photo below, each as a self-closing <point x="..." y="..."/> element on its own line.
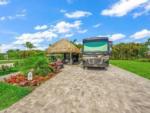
<point x="96" y="25"/>
<point x="2" y="18"/>
<point x="63" y="11"/>
<point x="68" y="35"/>
<point x="117" y="36"/>
<point x="146" y="10"/>
<point x="122" y="7"/>
<point x="82" y="31"/>
<point x="40" y="27"/>
<point x="137" y="14"/>
<point x="35" y="38"/>
<point x="141" y="34"/>
<point x="6" y="47"/>
<point x="114" y="37"/>
<point x="4" y="2"/>
<point x="8" y="32"/>
<point x="19" y="15"/>
<point x="65" y="27"/>
<point x="61" y="28"/>
<point x="78" y="14"/>
<point x="147" y="7"/>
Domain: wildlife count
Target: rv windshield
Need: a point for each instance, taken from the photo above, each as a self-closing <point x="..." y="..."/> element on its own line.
<point x="96" y="46"/>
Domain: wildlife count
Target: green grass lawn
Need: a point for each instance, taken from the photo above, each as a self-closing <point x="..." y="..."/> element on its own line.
<point x="10" y="94"/>
<point x="9" y="61"/>
<point x="137" y="67"/>
<point x="13" y="70"/>
<point x="6" y="61"/>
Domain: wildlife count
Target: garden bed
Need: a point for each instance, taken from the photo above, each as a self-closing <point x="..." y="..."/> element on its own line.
<point x="21" y="80"/>
<point x="18" y="85"/>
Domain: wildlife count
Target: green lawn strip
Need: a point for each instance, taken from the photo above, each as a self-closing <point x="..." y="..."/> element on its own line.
<point x="4" y="62"/>
<point x="13" y="70"/>
<point x="10" y="94"/>
<point x="137" y="67"/>
<point x="9" y="61"/>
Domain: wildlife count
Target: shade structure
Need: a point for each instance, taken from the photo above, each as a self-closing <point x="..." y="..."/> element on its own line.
<point x="63" y="46"/>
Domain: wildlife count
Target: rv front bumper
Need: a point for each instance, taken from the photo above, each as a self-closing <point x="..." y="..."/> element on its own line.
<point x="96" y="62"/>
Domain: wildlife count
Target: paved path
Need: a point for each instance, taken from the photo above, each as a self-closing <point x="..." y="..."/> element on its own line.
<point x="88" y="91"/>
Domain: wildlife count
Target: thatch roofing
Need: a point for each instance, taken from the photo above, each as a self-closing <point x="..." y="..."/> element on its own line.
<point x="63" y="46"/>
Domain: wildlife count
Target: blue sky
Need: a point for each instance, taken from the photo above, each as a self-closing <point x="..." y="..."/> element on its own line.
<point x="43" y="22"/>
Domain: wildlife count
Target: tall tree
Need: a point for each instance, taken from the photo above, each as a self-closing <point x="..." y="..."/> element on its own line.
<point x="29" y="45"/>
<point x="129" y="51"/>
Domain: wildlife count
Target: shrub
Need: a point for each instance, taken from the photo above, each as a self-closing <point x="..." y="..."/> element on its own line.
<point x="4" y="69"/>
<point x="38" y="63"/>
<point x="144" y="60"/>
<point x="26" y="64"/>
<point x="42" y="68"/>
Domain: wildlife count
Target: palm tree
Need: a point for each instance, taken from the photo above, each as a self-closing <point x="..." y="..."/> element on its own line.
<point x="29" y="45"/>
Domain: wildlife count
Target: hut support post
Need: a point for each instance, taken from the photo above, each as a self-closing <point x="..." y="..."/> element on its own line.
<point x="71" y="58"/>
<point x="64" y="57"/>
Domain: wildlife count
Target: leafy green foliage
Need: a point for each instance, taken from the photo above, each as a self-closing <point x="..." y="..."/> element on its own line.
<point x="38" y="63"/>
<point x="7" y="70"/>
<point x="18" y="54"/>
<point x="10" y="94"/>
<point x="137" y="67"/>
<point x="26" y="64"/>
<point x="74" y="42"/>
<point x="42" y="67"/>
<point x="5" y="61"/>
<point x="29" y="45"/>
<point x="1" y="56"/>
<point x="144" y="60"/>
<point x="54" y="57"/>
<point x="13" y="54"/>
<point x="130" y="50"/>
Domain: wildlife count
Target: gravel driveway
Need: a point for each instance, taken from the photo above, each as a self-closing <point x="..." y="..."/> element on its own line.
<point x="75" y="90"/>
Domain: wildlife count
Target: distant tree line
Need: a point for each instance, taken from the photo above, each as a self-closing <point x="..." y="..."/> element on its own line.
<point x="126" y="50"/>
<point x="119" y="51"/>
<point x="20" y="54"/>
<point x="130" y="50"/>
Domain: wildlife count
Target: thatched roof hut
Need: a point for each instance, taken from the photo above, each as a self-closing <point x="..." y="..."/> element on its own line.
<point x="62" y="46"/>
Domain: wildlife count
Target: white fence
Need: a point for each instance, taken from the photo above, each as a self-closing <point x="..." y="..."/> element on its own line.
<point x="8" y="64"/>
